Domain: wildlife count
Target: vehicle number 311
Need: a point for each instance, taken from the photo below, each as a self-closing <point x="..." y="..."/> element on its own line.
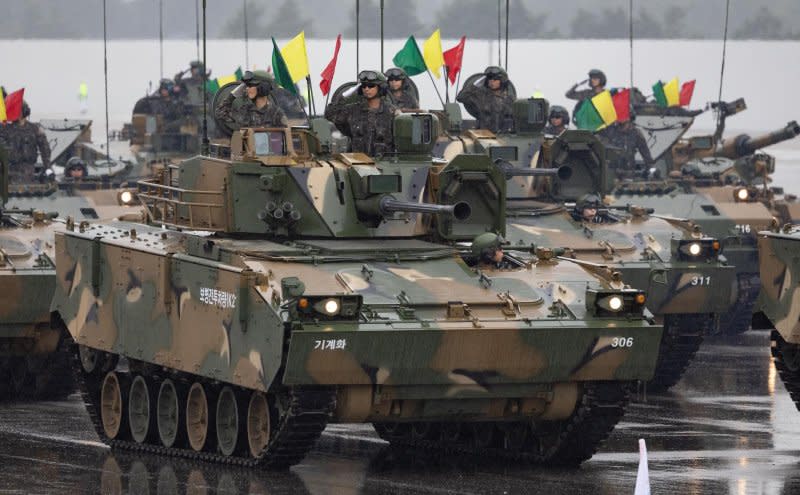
<point x="622" y="342"/>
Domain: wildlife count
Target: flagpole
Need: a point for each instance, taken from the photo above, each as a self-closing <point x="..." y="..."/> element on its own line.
<point x="435" y="87"/>
<point x="458" y="82"/>
<point x="381" y="35"/>
<point x="311" y="95"/>
<point x="446" y="84"/>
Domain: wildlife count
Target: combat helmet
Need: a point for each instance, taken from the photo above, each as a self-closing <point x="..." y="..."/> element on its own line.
<point x="395" y="74"/>
<point x="372" y="77"/>
<point x="590" y="200"/>
<point x="598" y="74"/>
<point x="486" y="244"/>
<point x="261" y="79"/>
<point x="559" y="111"/>
<point x="495" y="72"/>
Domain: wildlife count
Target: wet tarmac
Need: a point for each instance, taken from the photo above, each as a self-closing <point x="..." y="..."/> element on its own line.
<point x="728" y="428"/>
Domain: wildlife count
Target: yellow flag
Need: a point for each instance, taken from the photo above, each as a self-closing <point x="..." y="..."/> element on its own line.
<point x="672" y="93"/>
<point x="3" y="117"/>
<point x="295" y="56"/>
<point x="432" y="53"/>
<point x="222" y="81"/>
<point x="605" y="107"/>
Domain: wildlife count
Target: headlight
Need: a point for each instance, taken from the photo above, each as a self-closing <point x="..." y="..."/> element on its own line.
<point x="695" y="249"/>
<point x="329" y="307"/>
<point x="125" y="197"/>
<point x="608" y="303"/>
<point x="742" y="194"/>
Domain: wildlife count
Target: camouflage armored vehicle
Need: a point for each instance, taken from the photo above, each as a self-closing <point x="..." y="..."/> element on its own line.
<point x="779" y="301"/>
<point x="686" y="290"/>
<point x="33" y="360"/>
<point x="275" y="289"/>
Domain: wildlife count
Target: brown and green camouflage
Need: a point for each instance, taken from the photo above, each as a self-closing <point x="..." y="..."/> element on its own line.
<point x="328" y="285"/>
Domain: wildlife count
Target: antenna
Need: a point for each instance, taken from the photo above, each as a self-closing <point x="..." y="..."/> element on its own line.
<point x="205" y="145"/>
<point x="506" y="67"/>
<point x="197" y="28"/>
<point x="161" y="35"/>
<point x="630" y="37"/>
<point x="105" y="76"/>
<point x="246" y="38"/>
<point x="381" y="35"/>
<point x="722" y="68"/>
<point x="358" y="12"/>
<point x="499" y="34"/>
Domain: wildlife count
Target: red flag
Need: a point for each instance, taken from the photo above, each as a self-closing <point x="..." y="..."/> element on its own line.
<point x="622" y="104"/>
<point x="686" y="93"/>
<point x="452" y="60"/>
<point x="14" y="105"/>
<point x="327" y="74"/>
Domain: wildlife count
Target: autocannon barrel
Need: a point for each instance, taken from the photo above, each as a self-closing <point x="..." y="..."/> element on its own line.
<point x="743" y="145"/>
<point x="564" y="172"/>
<point x="386" y="204"/>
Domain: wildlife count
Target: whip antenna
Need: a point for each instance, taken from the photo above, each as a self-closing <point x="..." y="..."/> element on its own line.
<point x="722" y="68"/>
<point x="105" y="76"/>
<point x="205" y="145"/>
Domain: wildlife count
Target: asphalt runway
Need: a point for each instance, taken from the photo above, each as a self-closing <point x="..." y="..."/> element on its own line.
<point x="729" y="427"/>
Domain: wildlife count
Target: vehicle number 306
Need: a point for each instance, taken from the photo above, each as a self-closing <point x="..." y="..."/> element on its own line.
<point x="622" y="342"/>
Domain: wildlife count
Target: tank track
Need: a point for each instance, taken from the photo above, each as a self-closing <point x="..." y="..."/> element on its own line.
<point x="680" y="341"/>
<point x="306" y="415"/>
<point x="738" y="319"/>
<point x="566" y="442"/>
<point x="786" y="365"/>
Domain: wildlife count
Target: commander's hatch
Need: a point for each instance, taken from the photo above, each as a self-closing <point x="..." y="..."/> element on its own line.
<point x="273" y="146"/>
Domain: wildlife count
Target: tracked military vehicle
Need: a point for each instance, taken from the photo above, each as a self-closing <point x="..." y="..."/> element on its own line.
<point x="779" y="301"/>
<point x="722" y="187"/>
<point x="275" y="289"/>
<point x="687" y="290"/>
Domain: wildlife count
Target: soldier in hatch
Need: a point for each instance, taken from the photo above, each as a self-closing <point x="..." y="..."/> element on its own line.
<point x="626" y="137"/>
<point x="557" y="121"/>
<point x="369" y="120"/>
<point x="24" y="141"/>
<point x="254" y="107"/>
<point x="490" y="97"/>
<point x="400" y="92"/>
<point x="487" y="249"/>
<point x="590" y="209"/>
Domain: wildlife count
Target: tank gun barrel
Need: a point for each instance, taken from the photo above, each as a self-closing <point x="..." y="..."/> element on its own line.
<point x="743" y="144"/>
<point x="386" y="204"/>
<point x="510" y="171"/>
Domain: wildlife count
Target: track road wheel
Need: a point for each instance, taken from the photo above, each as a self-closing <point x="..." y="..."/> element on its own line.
<point x="197" y="418"/>
<point x="113" y="398"/>
<point x="227" y="422"/>
<point x="140" y="410"/>
<point x="168" y="414"/>
<point x="258" y="424"/>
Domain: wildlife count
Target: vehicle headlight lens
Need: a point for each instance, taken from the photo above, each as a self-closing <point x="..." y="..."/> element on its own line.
<point x="615" y="303"/>
<point x="694" y="249"/>
<point x="331" y="307"/>
<point x="125" y="197"/>
<point x="742" y="194"/>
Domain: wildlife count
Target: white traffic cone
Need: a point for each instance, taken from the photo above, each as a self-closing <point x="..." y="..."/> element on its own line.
<point x="643" y="476"/>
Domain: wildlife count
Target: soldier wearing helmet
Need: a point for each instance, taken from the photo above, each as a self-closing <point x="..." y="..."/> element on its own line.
<point x="596" y="82"/>
<point x="628" y="139"/>
<point x="75" y="168"/>
<point x="557" y="120"/>
<point x="369" y="120"/>
<point x="24" y="141"/>
<point x="400" y="94"/>
<point x="589" y="208"/>
<point x="254" y="108"/>
<point x="487" y="249"/>
<point x="490" y="97"/>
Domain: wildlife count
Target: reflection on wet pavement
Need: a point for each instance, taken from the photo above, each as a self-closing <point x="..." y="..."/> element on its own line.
<point x="729" y="427"/>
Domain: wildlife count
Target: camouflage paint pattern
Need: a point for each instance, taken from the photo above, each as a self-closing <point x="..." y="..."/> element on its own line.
<point x="780" y="281"/>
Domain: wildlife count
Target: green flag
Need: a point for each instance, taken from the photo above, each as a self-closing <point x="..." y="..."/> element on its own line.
<point x="239" y="74"/>
<point x="410" y="59"/>
<point x="280" y="70"/>
<point x="212" y="86"/>
<point x="587" y="116"/>
<point x="658" y="93"/>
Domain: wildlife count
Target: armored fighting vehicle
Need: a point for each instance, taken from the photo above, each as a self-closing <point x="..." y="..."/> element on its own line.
<point x="34" y="363"/>
<point x="275" y="289"/>
<point x="779" y="301"/>
<point x="708" y="190"/>
<point x="688" y="285"/>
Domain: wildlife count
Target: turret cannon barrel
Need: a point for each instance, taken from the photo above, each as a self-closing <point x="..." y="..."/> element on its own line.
<point x="510" y="171"/>
<point x="743" y="144"/>
<point x="385" y="205"/>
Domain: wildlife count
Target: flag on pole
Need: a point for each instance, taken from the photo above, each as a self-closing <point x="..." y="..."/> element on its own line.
<point x="452" y="59"/>
<point x="410" y="59"/>
<point x="604" y="105"/>
<point x="279" y="69"/>
<point x="687" y="90"/>
<point x="327" y="74"/>
<point x="658" y="94"/>
<point x="587" y="117"/>
<point x="2" y="110"/>
<point x="296" y="58"/>
<point x="222" y="81"/>
<point x="432" y="53"/>
<point x="604" y="109"/>
<point x="672" y="93"/>
<point x="13" y="105"/>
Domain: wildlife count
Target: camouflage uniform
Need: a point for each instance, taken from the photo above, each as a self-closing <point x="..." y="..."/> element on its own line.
<point x="554" y="131"/>
<point x="403" y="98"/>
<point x="495" y="109"/>
<point x="579" y="94"/>
<point x="628" y="140"/>
<point x="24" y="143"/>
<point x="370" y="131"/>
<point x="246" y="114"/>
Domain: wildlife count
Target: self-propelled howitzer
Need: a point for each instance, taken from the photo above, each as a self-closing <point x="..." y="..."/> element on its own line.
<point x="245" y="330"/>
